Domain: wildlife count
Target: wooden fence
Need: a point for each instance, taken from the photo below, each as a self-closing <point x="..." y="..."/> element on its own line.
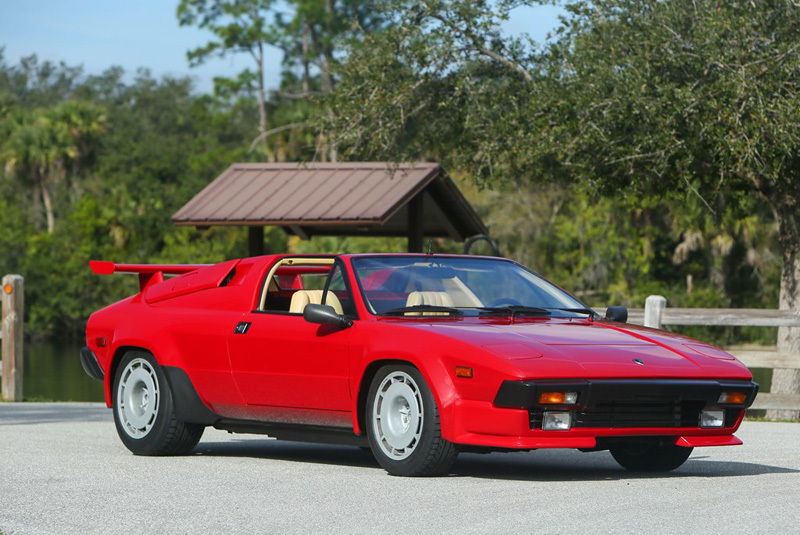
<point x="656" y="314"/>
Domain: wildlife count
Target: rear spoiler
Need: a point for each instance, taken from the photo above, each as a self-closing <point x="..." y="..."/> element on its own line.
<point x="148" y="273"/>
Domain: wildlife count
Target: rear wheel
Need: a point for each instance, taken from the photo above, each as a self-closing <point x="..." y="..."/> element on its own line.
<point x="403" y="424"/>
<point x="650" y="456"/>
<point x="144" y="409"/>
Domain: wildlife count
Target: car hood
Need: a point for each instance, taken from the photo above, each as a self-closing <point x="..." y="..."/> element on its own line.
<point x="558" y="348"/>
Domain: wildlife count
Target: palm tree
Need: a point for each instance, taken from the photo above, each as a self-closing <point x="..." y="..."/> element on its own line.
<point x="42" y="147"/>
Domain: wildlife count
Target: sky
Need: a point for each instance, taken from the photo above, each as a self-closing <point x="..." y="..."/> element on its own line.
<point x="98" y="34"/>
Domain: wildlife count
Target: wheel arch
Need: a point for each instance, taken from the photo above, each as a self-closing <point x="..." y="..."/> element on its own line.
<point x="363" y="389"/>
<point x="119" y="352"/>
<point x="436" y="378"/>
<point x="189" y="407"/>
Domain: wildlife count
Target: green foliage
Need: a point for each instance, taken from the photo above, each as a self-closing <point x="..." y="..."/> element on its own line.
<point x="141" y="151"/>
<point x="645" y="150"/>
<point x="60" y="288"/>
<point x="311" y="34"/>
<point x="46" y="146"/>
<point x="441" y="82"/>
<point x="238" y="25"/>
<point x="16" y="226"/>
<point x="650" y="147"/>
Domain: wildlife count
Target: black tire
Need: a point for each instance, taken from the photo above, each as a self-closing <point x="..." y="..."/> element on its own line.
<point x="425" y="453"/>
<point x="650" y="456"/>
<point x="144" y="410"/>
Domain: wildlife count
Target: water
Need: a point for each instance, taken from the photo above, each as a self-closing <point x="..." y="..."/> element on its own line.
<point x="53" y="372"/>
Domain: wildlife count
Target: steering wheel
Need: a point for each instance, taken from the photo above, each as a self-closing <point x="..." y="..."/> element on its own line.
<point x="504" y="302"/>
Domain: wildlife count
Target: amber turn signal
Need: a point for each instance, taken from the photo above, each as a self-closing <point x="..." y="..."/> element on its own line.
<point x="555" y="398"/>
<point x="733" y="398"/>
<point x="464" y="371"/>
<point x="558" y="398"/>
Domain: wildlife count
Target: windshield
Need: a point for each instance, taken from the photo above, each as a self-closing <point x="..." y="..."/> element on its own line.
<point x="458" y="286"/>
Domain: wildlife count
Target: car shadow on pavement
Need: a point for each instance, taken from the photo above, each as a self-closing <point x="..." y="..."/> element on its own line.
<point x="599" y="466"/>
<point x="289" y="451"/>
<point x="553" y="465"/>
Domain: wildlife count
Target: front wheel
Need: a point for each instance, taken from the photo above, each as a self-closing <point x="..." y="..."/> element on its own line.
<point x="650" y="456"/>
<point x="403" y="424"/>
<point x="144" y="409"/>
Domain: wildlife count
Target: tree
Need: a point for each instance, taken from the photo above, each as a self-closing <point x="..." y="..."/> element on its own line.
<point x="313" y="37"/>
<point x="240" y="26"/>
<point x="42" y="147"/>
<point x="115" y="170"/>
<point x="702" y="97"/>
<point x="310" y="33"/>
<point x="316" y="30"/>
<point x="637" y="98"/>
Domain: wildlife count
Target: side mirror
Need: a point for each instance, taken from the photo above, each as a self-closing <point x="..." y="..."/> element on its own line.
<point x="619" y="314"/>
<point x="325" y="315"/>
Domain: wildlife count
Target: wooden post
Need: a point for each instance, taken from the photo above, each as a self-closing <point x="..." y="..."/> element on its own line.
<point x="416" y="222"/>
<point x="653" y="306"/>
<point x="13" y="306"/>
<point x="255" y="238"/>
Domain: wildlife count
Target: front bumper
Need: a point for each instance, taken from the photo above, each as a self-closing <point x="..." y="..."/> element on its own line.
<point x="90" y="364"/>
<point x="605" y="410"/>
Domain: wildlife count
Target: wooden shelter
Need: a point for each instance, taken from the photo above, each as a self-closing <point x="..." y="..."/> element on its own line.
<point x="415" y="200"/>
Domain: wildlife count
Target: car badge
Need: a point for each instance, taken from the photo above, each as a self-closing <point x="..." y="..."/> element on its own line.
<point x="639" y="361"/>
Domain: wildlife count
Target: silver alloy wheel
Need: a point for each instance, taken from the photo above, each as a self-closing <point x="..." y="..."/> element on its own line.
<point x="138" y="398"/>
<point x="397" y="415"/>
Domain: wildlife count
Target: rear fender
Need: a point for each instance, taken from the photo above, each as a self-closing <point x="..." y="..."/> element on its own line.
<point x="167" y="355"/>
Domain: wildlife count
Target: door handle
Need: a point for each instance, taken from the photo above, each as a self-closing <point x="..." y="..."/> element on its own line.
<point x="242" y="327"/>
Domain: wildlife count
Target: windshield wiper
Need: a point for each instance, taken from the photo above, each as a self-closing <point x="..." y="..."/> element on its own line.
<point x="516" y="310"/>
<point x="589" y="311"/>
<point x="421" y="308"/>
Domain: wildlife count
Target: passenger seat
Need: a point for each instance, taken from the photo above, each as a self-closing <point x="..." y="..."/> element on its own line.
<point x="301" y="298"/>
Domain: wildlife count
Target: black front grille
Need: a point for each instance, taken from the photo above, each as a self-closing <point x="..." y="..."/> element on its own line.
<point x="672" y="413"/>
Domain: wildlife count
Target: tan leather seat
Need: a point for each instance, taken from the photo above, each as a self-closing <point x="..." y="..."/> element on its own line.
<point x="303" y="297"/>
<point x="441" y="299"/>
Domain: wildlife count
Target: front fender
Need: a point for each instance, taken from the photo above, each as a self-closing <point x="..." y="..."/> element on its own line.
<point x="435" y="356"/>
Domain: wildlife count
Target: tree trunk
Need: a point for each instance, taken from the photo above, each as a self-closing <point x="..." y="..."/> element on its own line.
<point x="48" y="208"/>
<point x="262" y="101"/>
<point x="327" y="51"/>
<point x="306" y="75"/>
<point x="787" y="381"/>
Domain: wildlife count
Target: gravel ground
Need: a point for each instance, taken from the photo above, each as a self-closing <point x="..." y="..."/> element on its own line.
<point x="64" y="471"/>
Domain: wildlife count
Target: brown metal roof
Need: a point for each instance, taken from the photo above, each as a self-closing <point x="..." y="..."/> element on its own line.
<point x="365" y="198"/>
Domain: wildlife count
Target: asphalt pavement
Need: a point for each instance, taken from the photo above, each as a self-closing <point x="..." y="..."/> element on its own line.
<point x="64" y="471"/>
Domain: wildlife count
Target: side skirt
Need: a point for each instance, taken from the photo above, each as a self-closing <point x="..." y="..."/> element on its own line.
<point x="191" y="409"/>
<point x="295" y="432"/>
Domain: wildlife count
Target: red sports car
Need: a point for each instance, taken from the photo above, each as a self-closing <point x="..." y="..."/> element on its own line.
<point x="417" y="357"/>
